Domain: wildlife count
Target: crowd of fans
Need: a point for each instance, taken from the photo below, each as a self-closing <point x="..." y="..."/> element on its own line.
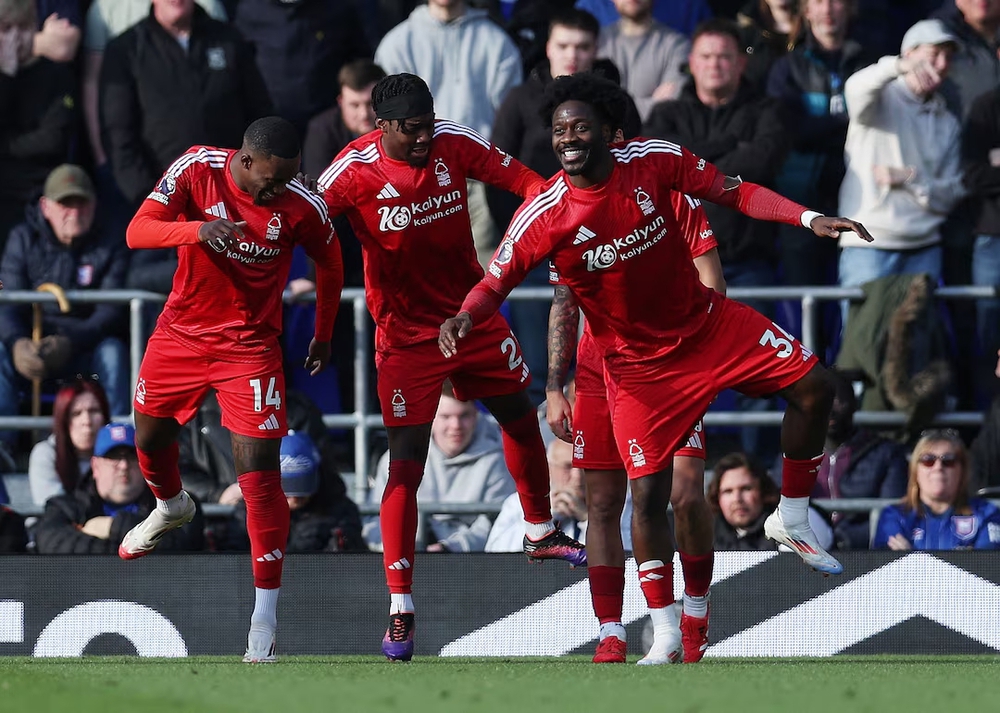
<point x="885" y="111"/>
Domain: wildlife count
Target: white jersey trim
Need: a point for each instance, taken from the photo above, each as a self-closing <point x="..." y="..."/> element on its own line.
<point x="213" y="157"/>
<point x="444" y="126"/>
<point x="638" y="149"/>
<point x="538" y="205"/>
<point x="315" y="201"/>
<point x="369" y="154"/>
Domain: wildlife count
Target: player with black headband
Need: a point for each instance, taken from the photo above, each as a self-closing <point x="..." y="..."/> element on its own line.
<point x="403" y="187"/>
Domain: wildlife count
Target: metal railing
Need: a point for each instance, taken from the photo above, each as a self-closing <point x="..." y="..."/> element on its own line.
<point x="363" y="423"/>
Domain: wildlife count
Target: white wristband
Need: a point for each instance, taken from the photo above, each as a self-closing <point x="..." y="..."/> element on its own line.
<point x="808" y="217"/>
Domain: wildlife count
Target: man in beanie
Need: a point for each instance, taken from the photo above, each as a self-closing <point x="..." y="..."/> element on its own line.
<point x="60" y="243"/>
<point x="323" y="518"/>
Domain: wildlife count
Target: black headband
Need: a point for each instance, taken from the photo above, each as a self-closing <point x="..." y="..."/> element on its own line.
<point x="406" y="106"/>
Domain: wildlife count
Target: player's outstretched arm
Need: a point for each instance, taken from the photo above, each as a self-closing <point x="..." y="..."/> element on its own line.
<point x="564" y="326"/>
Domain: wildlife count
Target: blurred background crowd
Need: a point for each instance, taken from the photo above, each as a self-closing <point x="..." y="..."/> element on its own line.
<point x="884" y="110"/>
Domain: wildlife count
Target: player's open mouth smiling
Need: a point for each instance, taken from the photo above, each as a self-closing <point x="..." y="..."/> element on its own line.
<point x="573" y="154"/>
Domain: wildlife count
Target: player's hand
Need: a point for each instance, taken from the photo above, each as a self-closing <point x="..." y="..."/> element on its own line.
<point x="311" y="184"/>
<point x="559" y="415"/>
<point x="225" y="230"/>
<point x="899" y="543"/>
<point x="232" y="495"/>
<point x="453" y="329"/>
<point x="319" y="356"/>
<point x="99" y="527"/>
<point x="827" y="227"/>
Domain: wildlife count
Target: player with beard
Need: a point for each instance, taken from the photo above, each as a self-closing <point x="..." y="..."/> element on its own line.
<point x="403" y="188"/>
<point x="587" y="425"/>
<point x="235" y="218"/>
<point x="670" y="344"/>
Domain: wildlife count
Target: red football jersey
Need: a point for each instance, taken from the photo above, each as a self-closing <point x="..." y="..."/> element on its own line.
<point x="413" y="224"/>
<point x="695" y="229"/>
<point x="226" y="301"/>
<point x="619" y="248"/>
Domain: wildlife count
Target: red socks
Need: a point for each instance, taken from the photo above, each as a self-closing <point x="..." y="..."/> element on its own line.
<point x="267" y="525"/>
<point x="160" y="470"/>
<point x="524" y="453"/>
<point x="798" y="477"/>
<point x="398" y="520"/>
<point x="607" y="592"/>
<point x="657" y="582"/>
<point x="697" y="573"/>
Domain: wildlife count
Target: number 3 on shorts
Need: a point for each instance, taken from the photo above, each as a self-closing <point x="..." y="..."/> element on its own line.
<point x="272" y="398"/>
<point x="783" y="345"/>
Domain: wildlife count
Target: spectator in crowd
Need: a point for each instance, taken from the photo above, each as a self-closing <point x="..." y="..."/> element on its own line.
<point x="58" y="34"/>
<point x="569" y="505"/>
<point x="902" y="154"/>
<point x="465" y="464"/>
<point x="528" y="25"/>
<point x="767" y="30"/>
<point x="975" y="67"/>
<point x="351" y="116"/>
<point x="38" y="97"/>
<point x="57" y="463"/>
<point x="469" y="64"/>
<point x="176" y="79"/>
<point x="857" y="463"/>
<point x="300" y="46"/>
<point x="809" y="81"/>
<point x="937" y="512"/>
<point x="649" y="55"/>
<point x="981" y="163"/>
<point x="106" y="19"/>
<point x="60" y="243"/>
<point x="722" y="119"/>
<point x="323" y="518"/>
<point x="107" y="503"/>
<point x="741" y="496"/>
<point x="13" y="536"/>
<point x="984" y="453"/>
<point x="680" y="15"/>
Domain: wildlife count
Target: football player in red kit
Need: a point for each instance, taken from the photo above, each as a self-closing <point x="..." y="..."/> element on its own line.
<point x="403" y="189"/>
<point x="235" y="218"/>
<point x="670" y="344"/>
<point x="587" y="425"/>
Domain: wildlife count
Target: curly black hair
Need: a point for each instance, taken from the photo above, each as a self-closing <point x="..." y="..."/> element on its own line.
<point x="604" y="96"/>
<point x="272" y="136"/>
<point x="397" y="85"/>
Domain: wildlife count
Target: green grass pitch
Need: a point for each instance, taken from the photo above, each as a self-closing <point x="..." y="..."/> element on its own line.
<point x="437" y="685"/>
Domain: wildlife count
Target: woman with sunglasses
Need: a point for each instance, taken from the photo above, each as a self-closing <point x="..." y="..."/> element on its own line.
<point x="936" y="512"/>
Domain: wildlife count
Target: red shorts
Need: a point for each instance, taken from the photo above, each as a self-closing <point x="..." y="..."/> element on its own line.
<point x="594" y="445"/>
<point x="488" y="363"/>
<point x="174" y="379"/>
<point x="653" y="405"/>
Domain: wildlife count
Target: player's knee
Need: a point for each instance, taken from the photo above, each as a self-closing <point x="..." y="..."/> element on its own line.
<point x="814" y="393"/>
<point x="605" y="507"/>
<point x="687" y="499"/>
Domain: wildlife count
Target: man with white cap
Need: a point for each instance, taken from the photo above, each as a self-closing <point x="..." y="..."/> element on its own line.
<point x="902" y="155"/>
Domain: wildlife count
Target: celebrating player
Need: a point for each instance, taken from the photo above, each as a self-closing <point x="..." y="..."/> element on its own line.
<point x="235" y="217"/>
<point x="670" y="344"/>
<point x="588" y="427"/>
<point x="403" y="189"/>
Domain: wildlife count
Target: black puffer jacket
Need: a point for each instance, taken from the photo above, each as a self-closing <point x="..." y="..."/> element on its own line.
<point x="33" y="255"/>
<point x="58" y="531"/>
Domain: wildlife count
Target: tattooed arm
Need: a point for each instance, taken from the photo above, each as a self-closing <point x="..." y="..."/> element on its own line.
<point x="564" y="327"/>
